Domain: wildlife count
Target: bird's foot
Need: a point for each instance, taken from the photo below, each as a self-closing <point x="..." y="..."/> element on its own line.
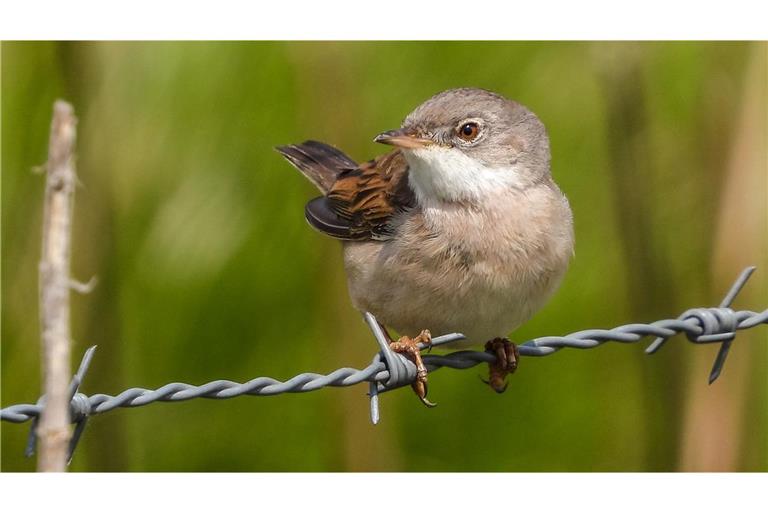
<point x="507" y="357"/>
<point x="410" y="348"/>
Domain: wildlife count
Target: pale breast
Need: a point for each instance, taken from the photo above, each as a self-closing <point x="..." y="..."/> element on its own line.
<point x="453" y="268"/>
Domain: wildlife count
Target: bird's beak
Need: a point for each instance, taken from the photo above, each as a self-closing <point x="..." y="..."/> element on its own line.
<point x="402" y="138"/>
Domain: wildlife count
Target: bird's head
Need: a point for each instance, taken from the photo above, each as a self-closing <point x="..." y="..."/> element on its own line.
<point x="465" y="144"/>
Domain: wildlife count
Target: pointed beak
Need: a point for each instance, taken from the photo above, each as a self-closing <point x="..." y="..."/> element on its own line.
<point x="402" y="138"/>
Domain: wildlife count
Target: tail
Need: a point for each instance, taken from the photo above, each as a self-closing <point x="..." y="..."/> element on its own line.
<point x="319" y="162"/>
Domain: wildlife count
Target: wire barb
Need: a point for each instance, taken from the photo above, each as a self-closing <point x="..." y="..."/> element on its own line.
<point x="389" y="370"/>
<point x="717" y="325"/>
<point x="717" y="366"/>
<point x="79" y="409"/>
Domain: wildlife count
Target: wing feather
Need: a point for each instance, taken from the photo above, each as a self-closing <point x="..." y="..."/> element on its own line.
<point x="360" y="200"/>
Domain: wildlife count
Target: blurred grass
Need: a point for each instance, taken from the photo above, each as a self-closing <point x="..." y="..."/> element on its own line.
<point x="207" y="270"/>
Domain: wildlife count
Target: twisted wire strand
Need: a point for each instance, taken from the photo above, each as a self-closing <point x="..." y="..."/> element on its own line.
<point x="702" y="325"/>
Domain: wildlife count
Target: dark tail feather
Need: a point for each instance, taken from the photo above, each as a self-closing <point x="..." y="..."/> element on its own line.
<point x="319" y="162"/>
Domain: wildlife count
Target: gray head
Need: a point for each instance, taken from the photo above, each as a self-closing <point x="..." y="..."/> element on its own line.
<point x="463" y="142"/>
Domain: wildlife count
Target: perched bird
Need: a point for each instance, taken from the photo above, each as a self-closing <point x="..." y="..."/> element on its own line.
<point x="459" y="229"/>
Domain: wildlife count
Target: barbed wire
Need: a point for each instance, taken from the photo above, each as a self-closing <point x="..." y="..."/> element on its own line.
<point x="390" y="370"/>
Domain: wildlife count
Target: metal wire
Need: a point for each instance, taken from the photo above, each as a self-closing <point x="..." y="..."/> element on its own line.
<point x="390" y="370"/>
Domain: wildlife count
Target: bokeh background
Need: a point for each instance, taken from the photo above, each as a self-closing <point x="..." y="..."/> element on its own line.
<point x="194" y="227"/>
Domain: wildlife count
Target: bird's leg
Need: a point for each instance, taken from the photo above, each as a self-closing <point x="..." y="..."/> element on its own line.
<point x="409" y="347"/>
<point x="507" y="357"/>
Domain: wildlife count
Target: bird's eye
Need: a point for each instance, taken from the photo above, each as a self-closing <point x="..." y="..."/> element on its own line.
<point x="469" y="131"/>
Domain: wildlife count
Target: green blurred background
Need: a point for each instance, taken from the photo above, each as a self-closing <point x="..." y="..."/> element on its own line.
<point x="207" y="270"/>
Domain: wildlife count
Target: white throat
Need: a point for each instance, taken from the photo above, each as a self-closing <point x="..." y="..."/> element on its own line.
<point x="447" y="174"/>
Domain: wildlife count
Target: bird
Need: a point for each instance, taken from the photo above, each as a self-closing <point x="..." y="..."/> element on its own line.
<point x="459" y="228"/>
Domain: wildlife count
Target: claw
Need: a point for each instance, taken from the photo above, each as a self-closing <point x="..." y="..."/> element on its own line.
<point x="499" y="387"/>
<point x="507" y="356"/>
<point x="421" y="389"/>
<point x="428" y="403"/>
<point x="424" y="337"/>
<point x="409" y="347"/>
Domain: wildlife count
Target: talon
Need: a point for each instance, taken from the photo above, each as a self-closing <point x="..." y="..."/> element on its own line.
<point x="410" y="348"/>
<point x="507" y="357"/>
<point x="425" y="337"/>
<point x="499" y="385"/>
<point x="428" y="403"/>
<point x="420" y="388"/>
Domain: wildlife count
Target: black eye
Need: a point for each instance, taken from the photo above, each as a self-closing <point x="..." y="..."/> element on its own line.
<point x="469" y="131"/>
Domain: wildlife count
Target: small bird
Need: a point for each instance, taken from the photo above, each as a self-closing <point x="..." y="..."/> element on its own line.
<point x="459" y="229"/>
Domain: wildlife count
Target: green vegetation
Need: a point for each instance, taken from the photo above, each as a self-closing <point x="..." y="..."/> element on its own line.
<point x="194" y="227"/>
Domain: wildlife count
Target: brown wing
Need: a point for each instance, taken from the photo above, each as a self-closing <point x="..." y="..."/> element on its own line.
<point x="359" y="200"/>
<point x="368" y="197"/>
